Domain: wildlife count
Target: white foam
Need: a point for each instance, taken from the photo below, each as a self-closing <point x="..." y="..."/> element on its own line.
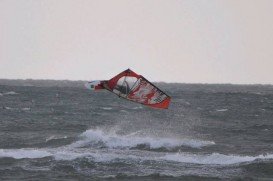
<point x="60" y="153"/>
<point x="6" y="107"/>
<point x="55" y="138"/>
<point x="123" y="111"/>
<point x="222" y="110"/>
<point x="95" y="155"/>
<point x="68" y="155"/>
<point x="138" y="107"/>
<point x="24" y="153"/>
<point x="107" y="108"/>
<point x="188" y="103"/>
<point x="26" y="109"/>
<point x="10" y="93"/>
<point x="65" y="153"/>
<point x="213" y="159"/>
<point x="113" y="140"/>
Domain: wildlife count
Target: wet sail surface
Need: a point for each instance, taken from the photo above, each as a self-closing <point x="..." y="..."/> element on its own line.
<point x="209" y="132"/>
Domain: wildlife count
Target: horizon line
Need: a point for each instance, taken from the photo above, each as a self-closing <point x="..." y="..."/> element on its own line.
<point x="21" y="79"/>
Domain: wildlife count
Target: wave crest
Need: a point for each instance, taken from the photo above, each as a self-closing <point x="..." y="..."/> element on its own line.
<point x="24" y="153"/>
<point x="99" y="138"/>
<point x="101" y="157"/>
<point x="213" y="159"/>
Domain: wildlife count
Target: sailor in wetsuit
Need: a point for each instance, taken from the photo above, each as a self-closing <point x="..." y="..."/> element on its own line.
<point x="122" y="89"/>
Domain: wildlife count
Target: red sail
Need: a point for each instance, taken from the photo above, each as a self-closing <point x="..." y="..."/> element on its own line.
<point x="136" y="88"/>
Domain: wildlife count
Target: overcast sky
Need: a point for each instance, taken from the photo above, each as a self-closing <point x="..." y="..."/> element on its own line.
<point x="189" y="41"/>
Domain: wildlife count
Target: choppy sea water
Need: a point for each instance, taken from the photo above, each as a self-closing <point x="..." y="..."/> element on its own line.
<point x="210" y="132"/>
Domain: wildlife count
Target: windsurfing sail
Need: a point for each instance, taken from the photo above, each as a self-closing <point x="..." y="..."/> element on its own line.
<point x="131" y="86"/>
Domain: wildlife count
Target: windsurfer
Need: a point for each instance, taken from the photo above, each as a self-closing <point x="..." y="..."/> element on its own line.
<point x="124" y="88"/>
<point x="133" y="87"/>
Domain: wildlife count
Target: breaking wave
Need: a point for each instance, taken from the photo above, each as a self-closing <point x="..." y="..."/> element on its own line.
<point x="213" y="159"/>
<point x="107" y="108"/>
<point x="24" y="153"/>
<point x="99" y="138"/>
<point x="100" y="146"/>
<point x="10" y="93"/>
<point x="98" y="156"/>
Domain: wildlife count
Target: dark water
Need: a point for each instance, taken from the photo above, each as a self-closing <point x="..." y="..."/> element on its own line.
<point x="210" y="132"/>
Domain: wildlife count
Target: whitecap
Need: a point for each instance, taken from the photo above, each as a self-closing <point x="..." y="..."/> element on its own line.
<point x="188" y="103"/>
<point x="65" y="153"/>
<point x="137" y="107"/>
<point x="213" y="159"/>
<point x="6" y="107"/>
<point x="24" y="153"/>
<point x="55" y="138"/>
<point x="10" y="93"/>
<point x="107" y="108"/>
<point x="26" y="109"/>
<point x="113" y="140"/>
<point x="221" y="110"/>
<point x="69" y="155"/>
<point x="123" y="111"/>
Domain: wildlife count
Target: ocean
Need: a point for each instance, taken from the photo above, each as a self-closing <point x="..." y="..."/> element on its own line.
<point x="62" y="131"/>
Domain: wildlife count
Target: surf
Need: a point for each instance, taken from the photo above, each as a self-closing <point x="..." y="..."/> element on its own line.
<point x="98" y="145"/>
<point x="100" y="138"/>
